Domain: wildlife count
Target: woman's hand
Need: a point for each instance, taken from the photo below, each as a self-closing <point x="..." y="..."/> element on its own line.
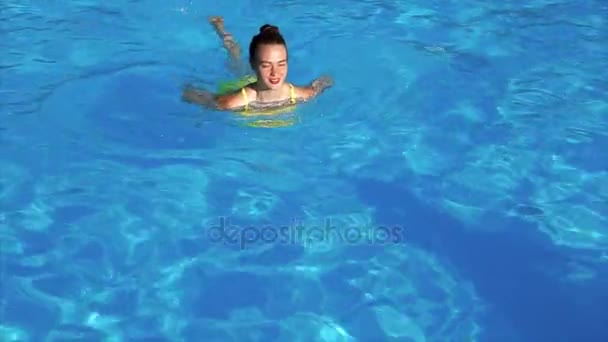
<point x="193" y="95"/>
<point x="321" y="83"/>
<point x="188" y="93"/>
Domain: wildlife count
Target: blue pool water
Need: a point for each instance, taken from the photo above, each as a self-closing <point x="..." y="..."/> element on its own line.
<point x="451" y="186"/>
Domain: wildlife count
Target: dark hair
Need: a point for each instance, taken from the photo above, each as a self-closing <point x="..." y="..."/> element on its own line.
<point x="269" y="34"/>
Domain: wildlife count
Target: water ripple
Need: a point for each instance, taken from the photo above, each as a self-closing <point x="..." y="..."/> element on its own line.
<point x="112" y="186"/>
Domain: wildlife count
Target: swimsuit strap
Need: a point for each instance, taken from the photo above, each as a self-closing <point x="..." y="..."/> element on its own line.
<point x="244" y="92"/>
<point x="292" y="93"/>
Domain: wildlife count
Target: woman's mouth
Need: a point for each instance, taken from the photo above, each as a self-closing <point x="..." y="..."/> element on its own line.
<point x="274" y="80"/>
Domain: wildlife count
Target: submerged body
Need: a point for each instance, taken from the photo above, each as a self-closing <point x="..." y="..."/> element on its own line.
<point x="268" y="90"/>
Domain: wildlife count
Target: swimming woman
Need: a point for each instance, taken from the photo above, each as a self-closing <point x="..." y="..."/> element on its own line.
<point x="269" y="59"/>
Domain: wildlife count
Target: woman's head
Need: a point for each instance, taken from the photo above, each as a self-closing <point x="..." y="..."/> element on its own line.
<point x="268" y="56"/>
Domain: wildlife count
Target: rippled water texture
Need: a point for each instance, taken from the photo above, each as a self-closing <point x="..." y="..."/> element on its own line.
<point x="451" y="186"/>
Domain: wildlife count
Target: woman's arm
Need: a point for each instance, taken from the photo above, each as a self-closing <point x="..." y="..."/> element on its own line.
<point x="210" y="100"/>
<point x="315" y="88"/>
<point x="197" y="96"/>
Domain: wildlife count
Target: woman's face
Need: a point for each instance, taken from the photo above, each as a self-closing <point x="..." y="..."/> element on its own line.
<point x="271" y="65"/>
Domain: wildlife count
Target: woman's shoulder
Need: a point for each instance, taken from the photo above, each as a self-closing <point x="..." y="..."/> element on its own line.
<point x="236" y="99"/>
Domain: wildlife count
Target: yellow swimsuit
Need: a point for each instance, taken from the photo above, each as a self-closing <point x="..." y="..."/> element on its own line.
<point x="270" y="111"/>
<point x="226" y="87"/>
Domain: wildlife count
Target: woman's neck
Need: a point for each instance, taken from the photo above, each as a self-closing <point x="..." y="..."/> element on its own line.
<point x="270" y="95"/>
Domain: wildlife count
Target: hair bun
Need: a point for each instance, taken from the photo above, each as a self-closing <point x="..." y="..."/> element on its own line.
<point x="268" y="28"/>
